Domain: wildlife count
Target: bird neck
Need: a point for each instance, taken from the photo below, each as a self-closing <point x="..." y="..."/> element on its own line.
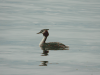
<point x="43" y="41"/>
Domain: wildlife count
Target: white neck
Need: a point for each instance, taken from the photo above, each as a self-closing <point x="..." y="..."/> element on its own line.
<point x="43" y="41"/>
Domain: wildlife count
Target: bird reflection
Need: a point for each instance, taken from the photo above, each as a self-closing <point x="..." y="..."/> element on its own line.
<point x="44" y="63"/>
<point x="46" y="49"/>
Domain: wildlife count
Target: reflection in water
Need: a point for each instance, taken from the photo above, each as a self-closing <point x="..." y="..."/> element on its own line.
<point x="51" y="45"/>
<point x="46" y="49"/>
<point x="45" y="52"/>
<point x="44" y="63"/>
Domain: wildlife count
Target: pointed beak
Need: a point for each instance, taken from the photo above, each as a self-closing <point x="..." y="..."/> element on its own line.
<point x="38" y="33"/>
<point x="42" y="31"/>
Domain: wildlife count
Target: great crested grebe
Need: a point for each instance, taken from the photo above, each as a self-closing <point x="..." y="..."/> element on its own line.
<point x="51" y="45"/>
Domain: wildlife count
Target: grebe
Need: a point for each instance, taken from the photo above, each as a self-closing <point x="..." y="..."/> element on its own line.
<point x="51" y="45"/>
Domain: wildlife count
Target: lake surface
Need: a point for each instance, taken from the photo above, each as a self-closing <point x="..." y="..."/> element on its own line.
<point x="75" y="23"/>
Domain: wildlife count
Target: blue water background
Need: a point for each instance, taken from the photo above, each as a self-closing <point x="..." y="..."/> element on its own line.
<point x="73" y="22"/>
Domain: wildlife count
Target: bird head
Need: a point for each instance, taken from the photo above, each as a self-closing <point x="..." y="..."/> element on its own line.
<point x="44" y="32"/>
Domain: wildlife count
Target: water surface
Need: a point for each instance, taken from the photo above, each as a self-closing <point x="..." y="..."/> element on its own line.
<point x="74" y="23"/>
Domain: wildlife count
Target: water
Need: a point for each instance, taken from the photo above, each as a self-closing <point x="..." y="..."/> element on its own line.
<point x="74" y="23"/>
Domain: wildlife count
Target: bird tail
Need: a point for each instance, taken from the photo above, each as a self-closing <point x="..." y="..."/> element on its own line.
<point x="67" y="46"/>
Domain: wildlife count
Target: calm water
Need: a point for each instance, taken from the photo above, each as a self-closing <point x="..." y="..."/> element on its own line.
<point x="73" y="22"/>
